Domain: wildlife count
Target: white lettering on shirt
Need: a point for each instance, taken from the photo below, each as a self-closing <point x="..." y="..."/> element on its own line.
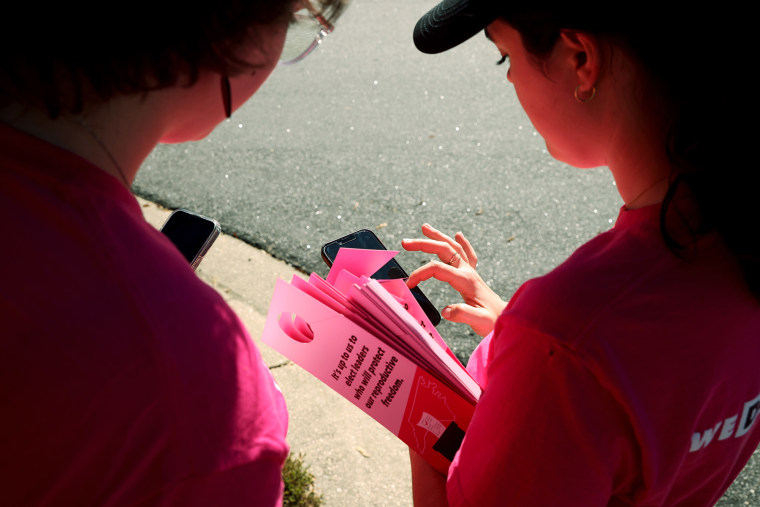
<point x="729" y="428"/>
<point x="749" y="414"/>
<point x="699" y="441"/>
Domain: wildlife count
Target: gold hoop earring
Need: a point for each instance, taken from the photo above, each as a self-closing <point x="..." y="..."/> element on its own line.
<point x="592" y="94"/>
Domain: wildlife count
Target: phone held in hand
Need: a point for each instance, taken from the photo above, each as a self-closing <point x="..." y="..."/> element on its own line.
<point x="191" y="233"/>
<point x="368" y="240"/>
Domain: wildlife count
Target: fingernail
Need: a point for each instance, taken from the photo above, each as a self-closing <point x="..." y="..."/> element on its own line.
<point x="446" y="313"/>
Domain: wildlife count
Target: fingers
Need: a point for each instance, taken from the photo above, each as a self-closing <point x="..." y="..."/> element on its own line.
<point x="447" y="250"/>
<point x="481" y="305"/>
<point x="422" y="273"/>
<point x="434" y="234"/>
<point x="460" y="244"/>
<point x="469" y="251"/>
<point x="460" y="281"/>
<point x="479" y="319"/>
<point x="443" y="250"/>
<point x="424" y="245"/>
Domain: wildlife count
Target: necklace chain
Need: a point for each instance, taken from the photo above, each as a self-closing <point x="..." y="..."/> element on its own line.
<point x="650" y="187"/>
<point x="92" y="133"/>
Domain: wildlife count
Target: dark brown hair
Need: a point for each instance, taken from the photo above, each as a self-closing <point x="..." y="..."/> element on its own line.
<point x="696" y="59"/>
<point x="51" y="53"/>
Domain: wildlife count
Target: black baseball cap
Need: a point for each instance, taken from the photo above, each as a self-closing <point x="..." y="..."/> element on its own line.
<point x="452" y="22"/>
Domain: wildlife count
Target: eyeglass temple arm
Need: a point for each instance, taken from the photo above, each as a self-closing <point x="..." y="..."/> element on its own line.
<point x="327" y="27"/>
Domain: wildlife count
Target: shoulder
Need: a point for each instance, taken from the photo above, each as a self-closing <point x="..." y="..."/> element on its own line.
<point x="597" y="278"/>
<point x="121" y="357"/>
<point x="669" y="342"/>
<point x="226" y="417"/>
<point x="548" y="427"/>
<point x="219" y="388"/>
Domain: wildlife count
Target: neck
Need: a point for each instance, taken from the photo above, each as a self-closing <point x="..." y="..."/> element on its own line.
<point x="638" y="159"/>
<point x="642" y="173"/>
<point x="115" y="136"/>
<point x="653" y="194"/>
<point x="631" y="120"/>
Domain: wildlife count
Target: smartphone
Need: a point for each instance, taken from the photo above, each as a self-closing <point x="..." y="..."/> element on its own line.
<point x="368" y="240"/>
<point x="191" y="233"/>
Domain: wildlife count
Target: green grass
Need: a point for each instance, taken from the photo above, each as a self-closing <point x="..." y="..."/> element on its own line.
<point x="299" y="484"/>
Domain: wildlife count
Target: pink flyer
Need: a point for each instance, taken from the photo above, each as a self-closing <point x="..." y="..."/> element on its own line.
<point x="349" y="349"/>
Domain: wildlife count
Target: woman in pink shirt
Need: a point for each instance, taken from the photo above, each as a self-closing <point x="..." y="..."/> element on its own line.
<point x="627" y="375"/>
<point x="124" y="379"/>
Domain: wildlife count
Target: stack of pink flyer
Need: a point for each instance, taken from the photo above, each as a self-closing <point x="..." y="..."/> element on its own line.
<point x="370" y="341"/>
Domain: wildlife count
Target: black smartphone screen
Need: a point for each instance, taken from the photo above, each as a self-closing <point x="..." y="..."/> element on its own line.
<point x="191" y="233"/>
<point x="392" y="269"/>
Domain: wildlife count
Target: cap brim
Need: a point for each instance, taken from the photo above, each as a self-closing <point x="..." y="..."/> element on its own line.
<point x="452" y="22"/>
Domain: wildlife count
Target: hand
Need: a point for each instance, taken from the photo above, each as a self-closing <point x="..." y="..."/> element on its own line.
<point x="458" y="261"/>
<point x="428" y="484"/>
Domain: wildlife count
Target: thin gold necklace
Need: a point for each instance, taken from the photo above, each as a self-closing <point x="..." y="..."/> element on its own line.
<point x="92" y="133"/>
<point x="650" y="187"/>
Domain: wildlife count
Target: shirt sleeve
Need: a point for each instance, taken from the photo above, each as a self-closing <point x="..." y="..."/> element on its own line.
<point x="545" y="432"/>
<point x="227" y="419"/>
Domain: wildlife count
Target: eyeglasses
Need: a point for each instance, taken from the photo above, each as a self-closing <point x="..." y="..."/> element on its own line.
<point x="305" y="32"/>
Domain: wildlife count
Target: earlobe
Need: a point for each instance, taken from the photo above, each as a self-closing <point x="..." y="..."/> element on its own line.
<point x="584" y="52"/>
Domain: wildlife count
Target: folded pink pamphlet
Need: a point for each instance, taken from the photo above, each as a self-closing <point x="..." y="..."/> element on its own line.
<point x="370" y="341"/>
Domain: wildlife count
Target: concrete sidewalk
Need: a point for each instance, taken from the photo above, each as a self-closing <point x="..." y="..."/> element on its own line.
<point x="355" y="461"/>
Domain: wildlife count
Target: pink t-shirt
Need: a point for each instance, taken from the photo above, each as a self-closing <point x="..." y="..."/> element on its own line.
<point x="124" y="379"/>
<point x="623" y="377"/>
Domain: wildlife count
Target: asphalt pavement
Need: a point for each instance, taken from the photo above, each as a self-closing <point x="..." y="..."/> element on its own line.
<point x="369" y="133"/>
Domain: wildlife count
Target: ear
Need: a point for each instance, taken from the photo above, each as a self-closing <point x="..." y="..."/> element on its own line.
<point x="583" y="54"/>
